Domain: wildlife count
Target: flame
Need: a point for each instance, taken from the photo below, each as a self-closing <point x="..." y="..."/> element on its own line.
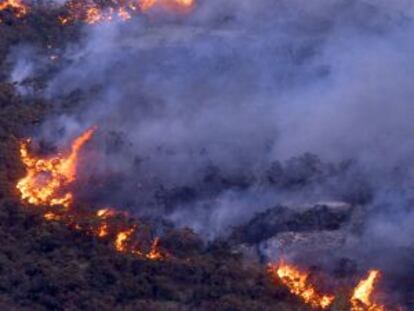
<point x="46" y="184"/>
<point x="155" y="253"/>
<point x="122" y="238"/>
<point x="50" y="216"/>
<point x="146" y="5"/>
<point x="298" y="283"/>
<point x="47" y="179"/>
<point x="361" y="299"/>
<point x="16" y="6"/>
<point x="91" y="12"/>
<point x="103" y="230"/>
<point x="105" y="213"/>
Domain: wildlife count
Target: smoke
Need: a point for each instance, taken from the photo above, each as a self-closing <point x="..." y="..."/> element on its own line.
<point x="199" y="112"/>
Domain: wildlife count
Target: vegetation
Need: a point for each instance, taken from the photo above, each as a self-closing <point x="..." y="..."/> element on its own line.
<point x="46" y="266"/>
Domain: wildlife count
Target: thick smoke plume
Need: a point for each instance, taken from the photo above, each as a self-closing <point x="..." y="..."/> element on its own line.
<point x="207" y="116"/>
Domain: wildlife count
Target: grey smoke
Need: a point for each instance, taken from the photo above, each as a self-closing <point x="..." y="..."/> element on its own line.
<point x="238" y="85"/>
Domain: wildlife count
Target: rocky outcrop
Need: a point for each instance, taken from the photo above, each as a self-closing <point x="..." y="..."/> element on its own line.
<point x="314" y="229"/>
<point x="329" y="216"/>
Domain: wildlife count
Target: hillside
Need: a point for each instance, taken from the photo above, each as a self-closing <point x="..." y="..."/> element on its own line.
<point x="205" y="155"/>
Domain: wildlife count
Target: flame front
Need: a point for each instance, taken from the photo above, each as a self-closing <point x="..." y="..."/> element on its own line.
<point x="46" y="184"/>
<point x="47" y="179"/>
<point x="16" y="6"/>
<point x="298" y="283"/>
<point x="361" y="299"/>
<point x="146" y="5"/>
<point x="154" y="253"/>
<point x="121" y="241"/>
<point x="91" y="12"/>
<point x="124" y="239"/>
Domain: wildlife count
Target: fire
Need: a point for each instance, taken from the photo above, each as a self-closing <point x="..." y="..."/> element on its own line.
<point x="103" y="230"/>
<point x="105" y="213"/>
<point x="122" y="239"/>
<point x="146" y="5"/>
<point x="298" y="283"/>
<point x="361" y="299"/>
<point x="16" y="6"/>
<point x="93" y="15"/>
<point x="50" y="216"/>
<point x="47" y="179"/>
<point x="155" y="253"/>
<point x="91" y="12"/>
<point x="47" y="183"/>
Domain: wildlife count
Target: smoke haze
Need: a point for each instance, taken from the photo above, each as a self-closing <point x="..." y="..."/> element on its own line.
<point x="197" y="110"/>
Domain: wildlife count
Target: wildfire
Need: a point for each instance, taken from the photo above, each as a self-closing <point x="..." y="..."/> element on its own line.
<point x="122" y="239"/>
<point x="146" y="5"/>
<point x="47" y="179"/>
<point x="105" y="213"/>
<point x="46" y="184"/>
<point x="50" y="216"/>
<point x="91" y="12"/>
<point x="361" y="299"/>
<point x="154" y="253"/>
<point x="16" y="6"/>
<point x="103" y="230"/>
<point x="298" y="283"/>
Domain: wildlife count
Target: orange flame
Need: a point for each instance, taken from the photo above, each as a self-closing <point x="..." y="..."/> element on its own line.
<point x="90" y="12"/>
<point x="46" y="184"/>
<point x="298" y="283"/>
<point x="146" y="5"/>
<point x="105" y="213"/>
<point x="361" y="299"/>
<point x="122" y="238"/>
<point x="46" y="179"/>
<point x="16" y="6"/>
<point x="50" y="216"/>
<point x="155" y="253"/>
<point x="103" y="230"/>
